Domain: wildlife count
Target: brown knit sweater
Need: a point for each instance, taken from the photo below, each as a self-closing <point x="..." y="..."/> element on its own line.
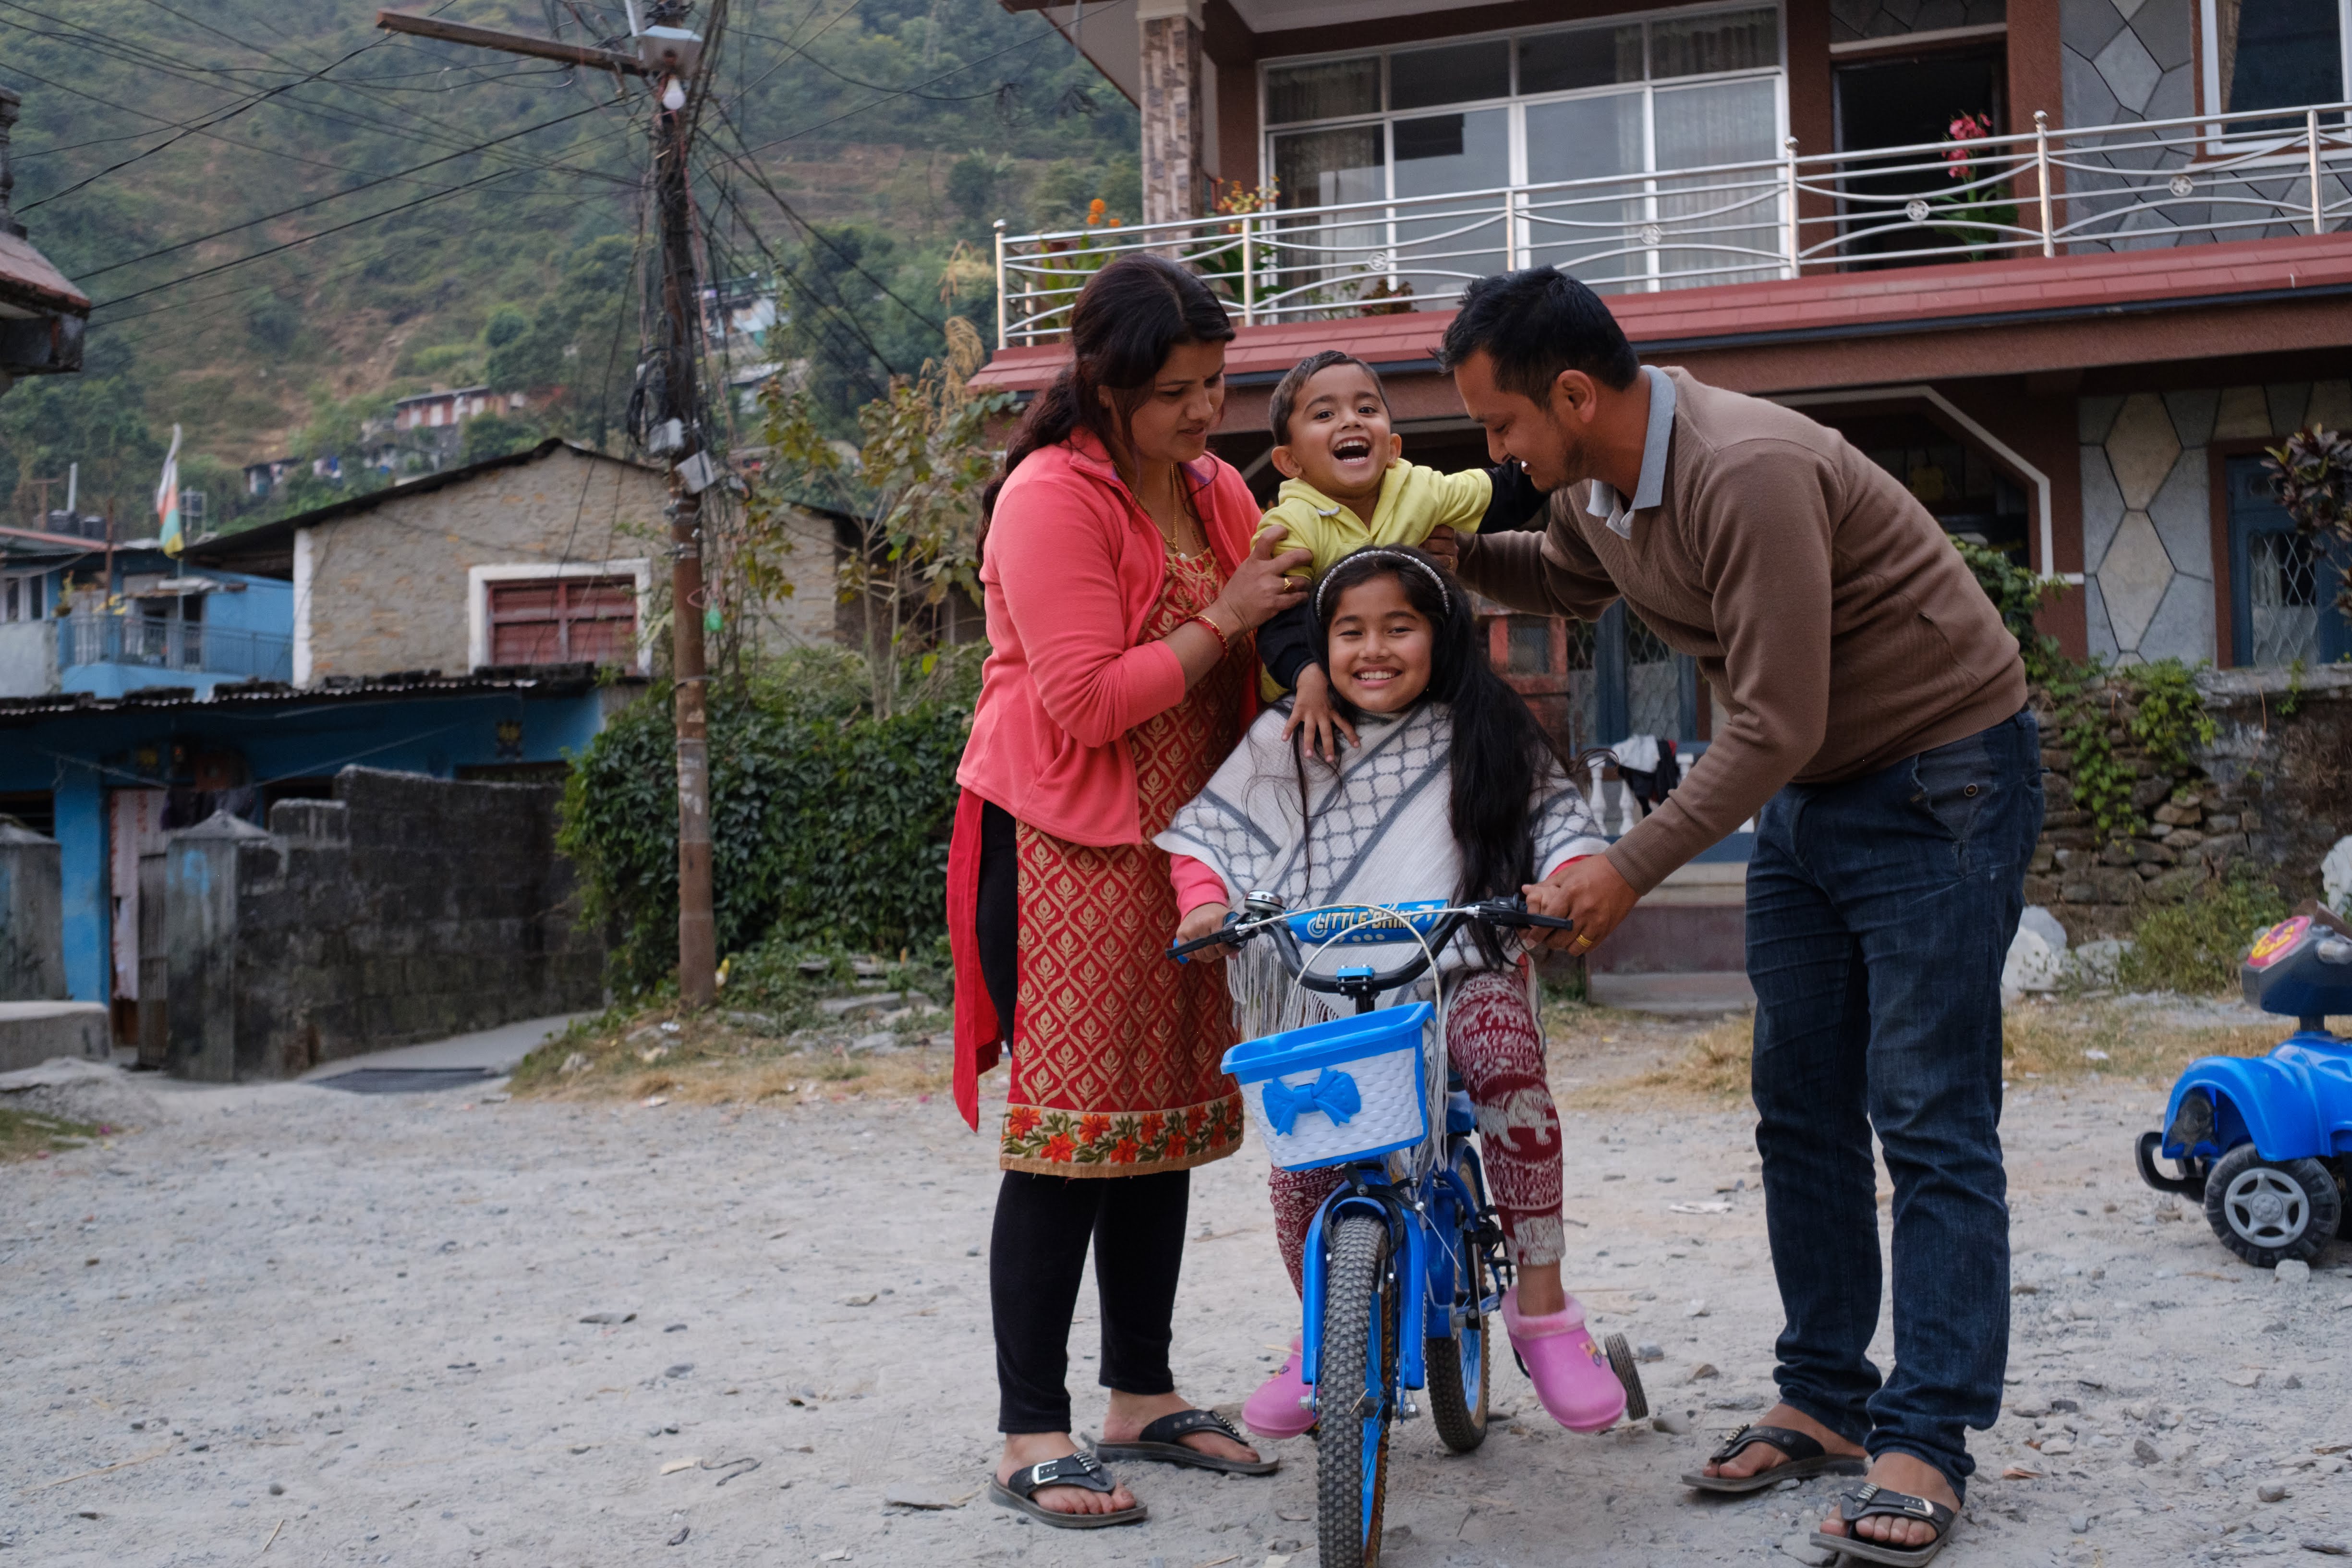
<point x="1823" y="604"/>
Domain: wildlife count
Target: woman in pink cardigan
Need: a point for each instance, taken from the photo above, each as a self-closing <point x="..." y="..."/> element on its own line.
<point x="1121" y="590"/>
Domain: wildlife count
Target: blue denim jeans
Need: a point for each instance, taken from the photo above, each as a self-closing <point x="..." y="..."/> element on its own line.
<point x="1880" y="912"/>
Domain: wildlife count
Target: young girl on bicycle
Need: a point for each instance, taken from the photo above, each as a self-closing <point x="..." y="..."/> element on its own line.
<point x="1453" y="793"/>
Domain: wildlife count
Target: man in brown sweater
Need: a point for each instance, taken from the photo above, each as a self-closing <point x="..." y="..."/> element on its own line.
<point x="1877" y="732"/>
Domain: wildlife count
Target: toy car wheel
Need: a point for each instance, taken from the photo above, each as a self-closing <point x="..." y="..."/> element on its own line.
<point x="2267" y="1211"/>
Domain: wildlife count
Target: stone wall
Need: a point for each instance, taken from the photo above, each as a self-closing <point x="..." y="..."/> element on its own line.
<point x="406" y="909"/>
<point x="2272" y="792"/>
<point x="388" y="588"/>
<point x="2147" y="505"/>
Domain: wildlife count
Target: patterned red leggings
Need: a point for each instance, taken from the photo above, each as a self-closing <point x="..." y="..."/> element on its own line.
<point x="1495" y="1045"/>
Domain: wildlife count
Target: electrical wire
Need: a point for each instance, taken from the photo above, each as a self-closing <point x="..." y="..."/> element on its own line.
<point x="1029" y="42"/>
<point x="403" y="175"/>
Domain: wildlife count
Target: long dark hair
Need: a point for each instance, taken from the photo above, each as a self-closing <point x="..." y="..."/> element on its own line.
<point x="1499" y="751"/>
<point x="1127" y="319"/>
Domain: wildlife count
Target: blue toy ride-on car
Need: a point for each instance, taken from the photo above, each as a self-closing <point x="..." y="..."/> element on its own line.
<point x="2266" y="1141"/>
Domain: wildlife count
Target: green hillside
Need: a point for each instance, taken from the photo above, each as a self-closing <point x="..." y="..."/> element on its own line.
<point x="289" y="218"/>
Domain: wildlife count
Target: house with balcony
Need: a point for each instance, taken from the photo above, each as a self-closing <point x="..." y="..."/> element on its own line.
<point x="80" y="615"/>
<point x="2065" y="266"/>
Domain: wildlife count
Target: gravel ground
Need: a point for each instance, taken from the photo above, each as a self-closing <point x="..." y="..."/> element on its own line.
<point x="287" y="1325"/>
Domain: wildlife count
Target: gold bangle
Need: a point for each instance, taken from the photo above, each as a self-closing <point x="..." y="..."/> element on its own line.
<point x="1225" y="645"/>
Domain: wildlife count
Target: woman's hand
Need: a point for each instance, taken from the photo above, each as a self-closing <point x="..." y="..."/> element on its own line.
<point x="1311" y="711"/>
<point x="1261" y="587"/>
<point x="1203" y="920"/>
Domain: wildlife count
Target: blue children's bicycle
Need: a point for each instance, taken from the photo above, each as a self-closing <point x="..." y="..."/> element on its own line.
<point x="1405" y="1265"/>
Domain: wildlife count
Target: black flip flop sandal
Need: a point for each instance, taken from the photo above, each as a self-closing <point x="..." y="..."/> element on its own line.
<point x="1069" y="1470"/>
<point x="1161" y="1442"/>
<point x="1868" y="1501"/>
<point x="1806" y="1458"/>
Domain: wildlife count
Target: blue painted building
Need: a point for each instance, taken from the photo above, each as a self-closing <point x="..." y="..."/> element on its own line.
<point x="108" y="776"/>
<point x="78" y="617"/>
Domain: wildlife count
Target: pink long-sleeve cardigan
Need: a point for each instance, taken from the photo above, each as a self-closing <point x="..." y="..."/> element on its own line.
<point x="1074" y="568"/>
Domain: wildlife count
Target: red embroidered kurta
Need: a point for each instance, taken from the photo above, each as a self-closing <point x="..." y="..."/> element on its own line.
<point x="1115" y="1065"/>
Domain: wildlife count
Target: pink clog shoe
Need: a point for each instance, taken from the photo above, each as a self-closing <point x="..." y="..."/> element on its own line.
<point x="1571" y="1376"/>
<point x="1279" y="1407"/>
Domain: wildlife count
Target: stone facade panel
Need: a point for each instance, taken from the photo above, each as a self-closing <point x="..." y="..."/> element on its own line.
<point x="2142" y="446"/>
<point x="2133" y="578"/>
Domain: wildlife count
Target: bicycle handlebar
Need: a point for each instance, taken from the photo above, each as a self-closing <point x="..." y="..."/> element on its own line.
<point x="1511" y="913"/>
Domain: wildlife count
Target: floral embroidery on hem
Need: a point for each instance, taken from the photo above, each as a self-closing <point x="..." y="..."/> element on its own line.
<point x="1034" y="1134"/>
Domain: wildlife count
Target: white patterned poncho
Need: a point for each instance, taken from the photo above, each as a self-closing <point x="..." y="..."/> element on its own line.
<point x="1380" y="833"/>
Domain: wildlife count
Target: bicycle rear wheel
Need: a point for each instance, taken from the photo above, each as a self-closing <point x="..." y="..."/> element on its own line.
<point x="1354" y="1383"/>
<point x="1458" y="1362"/>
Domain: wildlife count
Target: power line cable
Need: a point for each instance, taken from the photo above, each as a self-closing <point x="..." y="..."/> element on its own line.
<point x="331" y="196"/>
<point x="1029" y="42"/>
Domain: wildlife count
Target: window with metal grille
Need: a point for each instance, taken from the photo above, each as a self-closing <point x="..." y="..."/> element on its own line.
<point x="565" y="620"/>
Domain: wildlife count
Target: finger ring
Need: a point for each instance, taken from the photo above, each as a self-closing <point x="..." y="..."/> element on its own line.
<point x="1582" y="941"/>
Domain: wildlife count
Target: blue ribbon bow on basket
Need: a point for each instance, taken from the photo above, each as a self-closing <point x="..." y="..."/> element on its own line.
<point x="1333" y="1093"/>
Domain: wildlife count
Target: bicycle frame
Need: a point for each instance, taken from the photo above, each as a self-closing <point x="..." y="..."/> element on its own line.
<point x="1416" y="1232"/>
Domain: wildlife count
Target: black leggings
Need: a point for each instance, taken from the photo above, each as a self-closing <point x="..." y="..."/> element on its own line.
<point x="1044" y="1224"/>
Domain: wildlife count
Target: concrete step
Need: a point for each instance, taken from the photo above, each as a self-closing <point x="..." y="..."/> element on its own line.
<point x="1692" y="994"/>
<point x="33" y="1032"/>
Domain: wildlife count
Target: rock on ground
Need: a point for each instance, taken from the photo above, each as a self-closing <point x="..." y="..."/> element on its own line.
<point x="349" y="1328"/>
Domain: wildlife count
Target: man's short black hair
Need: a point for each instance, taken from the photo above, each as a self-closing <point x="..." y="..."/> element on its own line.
<point x="1285" y="401"/>
<point x="1535" y="323"/>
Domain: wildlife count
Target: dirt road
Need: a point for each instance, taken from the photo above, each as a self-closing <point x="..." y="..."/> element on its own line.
<point x="290" y="1325"/>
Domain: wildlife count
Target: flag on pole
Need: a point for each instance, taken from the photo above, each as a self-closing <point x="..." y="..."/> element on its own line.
<point x="167" y="498"/>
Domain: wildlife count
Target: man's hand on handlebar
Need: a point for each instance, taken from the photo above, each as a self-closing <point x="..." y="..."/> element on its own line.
<point x="1204" y="920"/>
<point x="1589" y="891"/>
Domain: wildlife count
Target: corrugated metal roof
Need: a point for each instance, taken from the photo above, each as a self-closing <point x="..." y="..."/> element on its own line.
<point x="540" y="681"/>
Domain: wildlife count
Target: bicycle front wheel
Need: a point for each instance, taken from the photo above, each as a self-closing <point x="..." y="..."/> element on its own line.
<point x="1355" y="1385"/>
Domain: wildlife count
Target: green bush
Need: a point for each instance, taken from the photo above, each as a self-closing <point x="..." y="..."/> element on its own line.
<point x="827" y="826"/>
<point x="2195" y="947"/>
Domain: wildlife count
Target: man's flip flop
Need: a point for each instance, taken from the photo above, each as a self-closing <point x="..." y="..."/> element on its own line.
<point x="1806" y="1458"/>
<point x="1069" y="1470"/>
<point x="1162" y="1442"/>
<point x="1868" y="1501"/>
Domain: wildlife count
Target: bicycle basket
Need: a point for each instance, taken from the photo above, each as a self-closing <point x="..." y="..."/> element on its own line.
<point x="1332" y="1093"/>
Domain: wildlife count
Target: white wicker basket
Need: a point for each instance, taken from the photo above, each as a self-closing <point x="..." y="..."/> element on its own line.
<point x="1351" y="1089"/>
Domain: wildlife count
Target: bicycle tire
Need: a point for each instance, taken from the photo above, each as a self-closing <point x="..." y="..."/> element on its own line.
<point x="1456" y="1410"/>
<point x="1361" y="1319"/>
<point x="1629" y="1372"/>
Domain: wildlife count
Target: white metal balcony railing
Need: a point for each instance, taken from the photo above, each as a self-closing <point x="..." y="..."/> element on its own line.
<point x="2140" y="185"/>
<point x="160" y="644"/>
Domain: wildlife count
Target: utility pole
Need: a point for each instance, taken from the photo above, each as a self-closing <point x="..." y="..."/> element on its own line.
<point x="668" y="56"/>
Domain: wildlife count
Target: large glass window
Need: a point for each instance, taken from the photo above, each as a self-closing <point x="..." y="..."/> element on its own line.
<point x="1627" y="107"/>
<point x="2280" y="54"/>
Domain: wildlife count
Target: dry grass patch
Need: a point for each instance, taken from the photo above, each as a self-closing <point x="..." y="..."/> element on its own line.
<point x="2057" y="1042"/>
<point x="31" y="1135"/>
<point x="709" y="1060"/>
<point x="2068" y="1040"/>
<point x="1712" y="1067"/>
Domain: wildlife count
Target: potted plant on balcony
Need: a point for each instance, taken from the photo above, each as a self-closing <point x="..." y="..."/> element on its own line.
<point x="1976" y="216"/>
<point x="1230" y="251"/>
<point x="1061" y="268"/>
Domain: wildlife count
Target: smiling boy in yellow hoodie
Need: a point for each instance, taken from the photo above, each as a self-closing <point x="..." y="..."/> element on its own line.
<point x="1344" y="487"/>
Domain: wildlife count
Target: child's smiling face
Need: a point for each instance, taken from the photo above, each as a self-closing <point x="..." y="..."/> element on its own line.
<point x="1380" y="647"/>
<point x="1339" y="440"/>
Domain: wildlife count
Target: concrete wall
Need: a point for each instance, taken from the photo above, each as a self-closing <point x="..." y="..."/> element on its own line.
<point x="32" y="933"/>
<point x="28" y="659"/>
<point x="389" y="589"/>
<point x="406" y="909"/>
<point x="2147" y="505"/>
